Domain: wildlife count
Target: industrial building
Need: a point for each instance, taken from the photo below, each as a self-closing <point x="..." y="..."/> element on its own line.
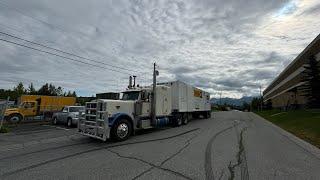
<point x="283" y="92"/>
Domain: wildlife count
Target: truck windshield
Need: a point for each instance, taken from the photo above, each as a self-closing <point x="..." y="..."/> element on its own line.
<point x="133" y="95"/>
<point x="76" y="109"/>
<point x="27" y="105"/>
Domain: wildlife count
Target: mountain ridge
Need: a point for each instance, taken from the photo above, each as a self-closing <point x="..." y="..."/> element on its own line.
<point x="232" y="101"/>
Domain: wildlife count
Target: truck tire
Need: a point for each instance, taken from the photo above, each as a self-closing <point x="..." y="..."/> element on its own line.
<point x="185" y="119"/>
<point x="55" y="121"/>
<point x="177" y="120"/>
<point x="121" y="130"/>
<point x="14" y="118"/>
<point x="207" y="115"/>
<point x="69" y="122"/>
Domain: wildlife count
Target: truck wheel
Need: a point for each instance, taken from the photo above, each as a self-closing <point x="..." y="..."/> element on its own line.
<point x="69" y="122"/>
<point x="178" y="120"/>
<point x="14" y="118"/>
<point x="121" y="130"/>
<point x="185" y="119"/>
<point x="207" y="115"/>
<point x="55" y="121"/>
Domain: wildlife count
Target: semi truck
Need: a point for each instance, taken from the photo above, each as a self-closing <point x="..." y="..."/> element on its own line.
<point x="158" y="105"/>
<point x="35" y="105"/>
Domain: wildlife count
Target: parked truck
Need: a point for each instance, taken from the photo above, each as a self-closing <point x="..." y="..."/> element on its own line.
<point x="69" y="115"/>
<point x="35" y="105"/>
<point x="142" y="108"/>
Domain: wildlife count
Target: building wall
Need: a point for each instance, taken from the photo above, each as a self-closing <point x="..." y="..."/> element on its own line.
<point x="289" y="100"/>
<point x="282" y="92"/>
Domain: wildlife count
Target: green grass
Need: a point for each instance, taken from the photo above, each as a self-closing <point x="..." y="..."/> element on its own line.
<point x="302" y="123"/>
<point x="4" y="129"/>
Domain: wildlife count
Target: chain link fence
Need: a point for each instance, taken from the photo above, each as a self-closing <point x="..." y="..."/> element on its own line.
<point x="3" y="107"/>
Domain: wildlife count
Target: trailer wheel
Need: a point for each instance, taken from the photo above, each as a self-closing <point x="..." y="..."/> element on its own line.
<point x="207" y="115"/>
<point x="185" y="119"/>
<point x="121" y="130"/>
<point x="178" y="120"/>
<point x="14" y="118"/>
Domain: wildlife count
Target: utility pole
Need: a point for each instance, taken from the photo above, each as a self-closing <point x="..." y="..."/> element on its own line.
<point x="220" y="97"/>
<point x="154" y="100"/>
<point x="260" y="98"/>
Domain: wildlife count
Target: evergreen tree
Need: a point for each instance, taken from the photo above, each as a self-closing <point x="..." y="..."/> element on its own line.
<point x="69" y="94"/>
<point x="74" y="94"/>
<point x="59" y="91"/>
<point x="311" y="87"/>
<point x="269" y="105"/>
<point x="19" y="89"/>
<point x="44" y="90"/>
<point x="256" y="103"/>
<point x="31" y="90"/>
<point x="52" y="90"/>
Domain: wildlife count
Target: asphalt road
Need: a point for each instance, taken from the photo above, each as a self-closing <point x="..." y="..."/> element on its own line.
<point x="232" y="145"/>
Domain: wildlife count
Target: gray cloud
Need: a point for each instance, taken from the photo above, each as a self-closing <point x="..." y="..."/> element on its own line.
<point x="311" y="11"/>
<point x="218" y="45"/>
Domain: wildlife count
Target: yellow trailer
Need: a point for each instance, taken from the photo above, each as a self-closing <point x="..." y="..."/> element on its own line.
<point x="34" y="105"/>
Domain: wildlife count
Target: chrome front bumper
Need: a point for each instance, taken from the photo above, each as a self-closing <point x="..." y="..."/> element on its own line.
<point x="91" y="129"/>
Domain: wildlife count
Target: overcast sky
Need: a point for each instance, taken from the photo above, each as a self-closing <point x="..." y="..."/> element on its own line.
<point x="231" y="46"/>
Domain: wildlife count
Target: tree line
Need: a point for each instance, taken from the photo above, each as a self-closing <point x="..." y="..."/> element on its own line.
<point x="255" y="104"/>
<point x="47" y="89"/>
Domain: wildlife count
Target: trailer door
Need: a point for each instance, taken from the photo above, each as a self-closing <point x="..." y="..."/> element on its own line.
<point x="183" y="97"/>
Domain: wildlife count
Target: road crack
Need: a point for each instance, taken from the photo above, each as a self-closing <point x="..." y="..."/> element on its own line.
<point x="240" y="160"/>
<point x="188" y="142"/>
<point x="92" y="150"/>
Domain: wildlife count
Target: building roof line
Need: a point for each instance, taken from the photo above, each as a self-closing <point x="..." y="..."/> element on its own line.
<point x="294" y="61"/>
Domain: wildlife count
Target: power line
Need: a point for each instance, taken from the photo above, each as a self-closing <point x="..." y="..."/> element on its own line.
<point x="20" y="31"/>
<point x="64" y="52"/>
<point x="58" y="50"/>
<point x="35" y="19"/>
<point x="71" y="59"/>
<point x="61" y="30"/>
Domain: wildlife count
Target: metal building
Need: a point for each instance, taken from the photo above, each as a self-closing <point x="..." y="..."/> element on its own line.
<point x="283" y="91"/>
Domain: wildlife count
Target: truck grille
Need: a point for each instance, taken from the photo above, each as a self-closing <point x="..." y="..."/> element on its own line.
<point x="91" y="111"/>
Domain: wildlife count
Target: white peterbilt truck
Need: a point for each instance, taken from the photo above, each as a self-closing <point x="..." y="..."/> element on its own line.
<point x="174" y="103"/>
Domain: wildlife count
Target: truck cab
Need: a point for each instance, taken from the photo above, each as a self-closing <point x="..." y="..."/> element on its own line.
<point x="25" y="109"/>
<point x="34" y="105"/>
<point x="120" y="118"/>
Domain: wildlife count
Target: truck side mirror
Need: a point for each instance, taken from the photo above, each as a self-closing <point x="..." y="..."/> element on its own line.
<point x="143" y="96"/>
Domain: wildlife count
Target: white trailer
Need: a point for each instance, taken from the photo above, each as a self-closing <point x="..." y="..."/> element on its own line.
<point x="174" y="103"/>
<point x="189" y="99"/>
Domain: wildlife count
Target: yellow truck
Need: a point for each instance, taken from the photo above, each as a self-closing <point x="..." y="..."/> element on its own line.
<point x="37" y="105"/>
